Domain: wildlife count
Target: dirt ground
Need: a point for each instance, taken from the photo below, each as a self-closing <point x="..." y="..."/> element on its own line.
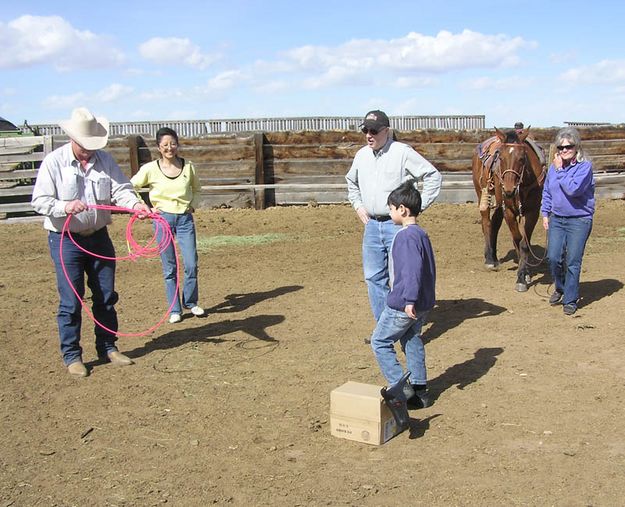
<point x="234" y="408"/>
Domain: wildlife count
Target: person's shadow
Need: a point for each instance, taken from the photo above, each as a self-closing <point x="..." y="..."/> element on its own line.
<point x="215" y="332"/>
<point x="589" y="292"/>
<point x="463" y="374"/>
<point x="240" y="302"/>
<point x="449" y="313"/>
<point x="418" y="427"/>
<point x="598" y="289"/>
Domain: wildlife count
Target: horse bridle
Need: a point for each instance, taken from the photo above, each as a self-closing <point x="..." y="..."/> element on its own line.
<point x="500" y="174"/>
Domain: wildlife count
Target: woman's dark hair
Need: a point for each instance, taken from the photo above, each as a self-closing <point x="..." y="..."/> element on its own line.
<point x="408" y="195"/>
<point x="165" y="131"/>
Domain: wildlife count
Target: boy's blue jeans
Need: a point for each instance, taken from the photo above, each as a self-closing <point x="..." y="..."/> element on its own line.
<point x="567" y="241"/>
<point x="183" y="230"/>
<point x="394" y="326"/>
<point x="376" y="247"/>
<point x="101" y="281"/>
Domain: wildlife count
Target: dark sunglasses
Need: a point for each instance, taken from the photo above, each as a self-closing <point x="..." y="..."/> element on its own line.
<point x="373" y="132"/>
<point x="565" y="147"/>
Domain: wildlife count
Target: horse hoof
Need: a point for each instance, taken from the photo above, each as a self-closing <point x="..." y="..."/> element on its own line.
<point x="521" y="287"/>
<point x="491" y="267"/>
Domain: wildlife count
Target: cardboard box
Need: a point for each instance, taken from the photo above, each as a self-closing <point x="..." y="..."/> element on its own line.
<point x="358" y="412"/>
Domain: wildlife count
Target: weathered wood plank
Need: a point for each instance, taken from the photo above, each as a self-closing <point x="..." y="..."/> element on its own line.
<point x="243" y="169"/>
<point x="15" y="207"/>
<point x="21" y="142"/>
<point x="17" y="158"/>
<point x="18" y="174"/>
<point x="16" y="190"/>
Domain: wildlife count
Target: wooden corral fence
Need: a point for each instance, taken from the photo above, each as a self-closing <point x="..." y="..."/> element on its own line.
<point x="282" y="168"/>
<point x="195" y="128"/>
<point x="20" y="157"/>
<point x="258" y="170"/>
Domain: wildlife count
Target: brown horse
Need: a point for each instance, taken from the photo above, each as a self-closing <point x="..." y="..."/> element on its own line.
<point x="508" y="177"/>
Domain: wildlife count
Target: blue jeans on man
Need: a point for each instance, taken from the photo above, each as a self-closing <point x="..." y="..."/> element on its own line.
<point x="101" y="281"/>
<point x="395" y="326"/>
<point x="183" y="229"/>
<point x="376" y="248"/>
<point x="567" y="241"/>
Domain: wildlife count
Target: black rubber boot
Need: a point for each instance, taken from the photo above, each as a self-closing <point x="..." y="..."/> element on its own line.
<point x="416" y="396"/>
<point x="395" y="399"/>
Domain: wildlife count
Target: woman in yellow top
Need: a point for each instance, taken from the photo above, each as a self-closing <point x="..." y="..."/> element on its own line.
<point x="174" y="190"/>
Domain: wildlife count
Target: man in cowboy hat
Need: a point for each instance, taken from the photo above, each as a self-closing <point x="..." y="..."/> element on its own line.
<point x="378" y="168"/>
<point x="70" y="179"/>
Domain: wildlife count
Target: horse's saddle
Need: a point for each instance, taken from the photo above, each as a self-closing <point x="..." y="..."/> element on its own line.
<point x="489" y="148"/>
<point x="488" y="151"/>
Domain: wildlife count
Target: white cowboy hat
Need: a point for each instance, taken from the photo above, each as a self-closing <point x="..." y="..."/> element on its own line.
<point x="90" y="132"/>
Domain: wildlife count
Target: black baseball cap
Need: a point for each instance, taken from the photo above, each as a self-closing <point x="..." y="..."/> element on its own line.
<point x="376" y="120"/>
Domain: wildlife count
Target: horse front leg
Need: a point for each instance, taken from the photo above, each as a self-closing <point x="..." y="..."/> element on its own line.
<point x="490" y="228"/>
<point x="529" y="222"/>
<point x="515" y="231"/>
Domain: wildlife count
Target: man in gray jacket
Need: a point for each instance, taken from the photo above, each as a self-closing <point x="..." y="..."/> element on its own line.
<point x="379" y="168"/>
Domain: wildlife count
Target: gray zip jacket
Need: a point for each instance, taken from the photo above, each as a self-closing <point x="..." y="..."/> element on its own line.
<point x="373" y="176"/>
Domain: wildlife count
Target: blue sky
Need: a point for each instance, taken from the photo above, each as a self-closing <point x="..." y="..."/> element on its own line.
<point x="541" y="62"/>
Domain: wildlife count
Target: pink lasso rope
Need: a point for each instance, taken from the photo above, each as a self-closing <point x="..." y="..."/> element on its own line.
<point x="135" y="251"/>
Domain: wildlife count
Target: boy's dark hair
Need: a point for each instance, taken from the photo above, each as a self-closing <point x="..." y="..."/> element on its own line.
<point x="165" y="131"/>
<point x="408" y="195"/>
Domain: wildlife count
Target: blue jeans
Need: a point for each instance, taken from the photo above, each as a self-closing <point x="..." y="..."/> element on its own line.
<point x="183" y="229"/>
<point x="376" y="248"/>
<point x="567" y="240"/>
<point x="393" y="326"/>
<point x="101" y="282"/>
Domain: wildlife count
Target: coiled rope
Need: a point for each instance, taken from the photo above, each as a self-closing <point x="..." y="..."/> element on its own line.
<point x="135" y="251"/>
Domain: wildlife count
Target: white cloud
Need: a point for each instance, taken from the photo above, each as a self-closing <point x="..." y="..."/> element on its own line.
<point x="65" y="101"/>
<point x="414" y="82"/>
<point x="564" y="58"/>
<point x="110" y="94"/>
<point x="174" y="50"/>
<point x="334" y="75"/>
<point x="489" y="83"/>
<point x="224" y="81"/>
<point x="40" y="40"/>
<point x="113" y="92"/>
<point x="160" y="94"/>
<point x="603" y="72"/>
<point x="270" y="87"/>
<point x="414" y="53"/>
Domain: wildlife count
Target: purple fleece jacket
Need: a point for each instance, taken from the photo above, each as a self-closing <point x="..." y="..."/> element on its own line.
<point x="569" y="192"/>
<point x="413" y="271"/>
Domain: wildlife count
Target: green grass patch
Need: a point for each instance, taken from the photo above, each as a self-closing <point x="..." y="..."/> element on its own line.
<point x="214" y="242"/>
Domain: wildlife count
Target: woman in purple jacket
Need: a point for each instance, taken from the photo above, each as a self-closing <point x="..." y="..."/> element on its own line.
<point x="567" y="208"/>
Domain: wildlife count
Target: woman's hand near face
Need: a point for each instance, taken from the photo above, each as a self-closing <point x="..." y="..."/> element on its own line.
<point x="557" y="161"/>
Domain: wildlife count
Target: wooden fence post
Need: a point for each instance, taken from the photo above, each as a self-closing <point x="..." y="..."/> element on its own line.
<point x="133" y="148"/>
<point x="259" y="176"/>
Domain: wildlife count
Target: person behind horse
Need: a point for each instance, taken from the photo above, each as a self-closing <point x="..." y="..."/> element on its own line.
<point x="568" y="207"/>
<point x="412" y="295"/>
<point x="377" y="169"/>
<point x="70" y="181"/>
<point x="519" y="129"/>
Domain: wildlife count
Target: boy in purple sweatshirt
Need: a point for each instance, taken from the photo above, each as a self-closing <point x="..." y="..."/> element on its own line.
<point x="412" y="295"/>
